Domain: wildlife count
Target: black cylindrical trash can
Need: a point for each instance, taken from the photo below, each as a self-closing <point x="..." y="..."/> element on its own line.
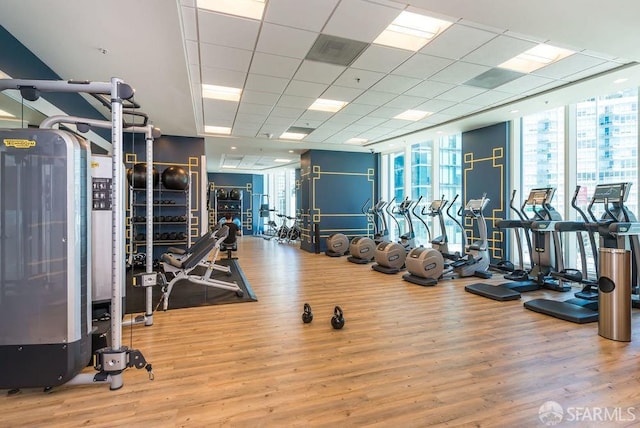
<point x="614" y="289"/>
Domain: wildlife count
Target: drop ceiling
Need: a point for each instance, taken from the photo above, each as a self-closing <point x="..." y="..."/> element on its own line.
<point x="168" y="49"/>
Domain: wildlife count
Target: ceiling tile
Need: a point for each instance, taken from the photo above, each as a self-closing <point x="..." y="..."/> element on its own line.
<point x="234" y="59"/>
<point x="307" y="14"/>
<point x="524" y="83"/>
<point x="189" y="26"/>
<point x="498" y="50"/>
<point x="591" y="71"/>
<point x="342" y="136"/>
<point x="435" y="105"/>
<point x="308" y="123"/>
<point x="257" y="97"/>
<point x="245" y="132"/>
<point x="370" y="121"/>
<point x="275" y="120"/>
<point x="193" y="53"/>
<point x="357" y="78"/>
<point x="343" y="118"/>
<point x="259" y="82"/>
<point x="219" y="113"/>
<point x="395" y="84"/>
<point x="343" y="21"/>
<point x="222" y="77"/>
<point x="194" y="74"/>
<point x="295" y="101"/>
<point x="460" y="109"/>
<point x="429" y="89"/>
<point x="422" y="66"/>
<point x="395" y="123"/>
<point x="489" y="98"/>
<point x="457" y="41"/>
<point x="305" y="89"/>
<point x="315" y="115"/>
<point x="289" y="112"/>
<point x="262" y="109"/>
<point x="274" y="65"/>
<point x="570" y="65"/>
<point x="227" y="30"/>
<point x="356" y="108"/>
<point x="406" y="102"/>
<point x="341" y="93"/>
<point x="375" y="98"/>
<point x="386" y="112"/>
<point x="319" y="72"/>
<point x="460" y="93"/>
<point x="381" y="58"/>
<point x="459" y="72"/>
<point x="285" y="41"/>
<point x="357" y="128"/>
<point x="250" y="118"/>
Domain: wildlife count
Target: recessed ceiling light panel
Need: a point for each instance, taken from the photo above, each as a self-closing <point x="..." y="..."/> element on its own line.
<point x="535" y="58"/>
<point x="332" y="106"/>
<point x="224" y="130"/>
<point x="411" y="31"/>
<point x="413" y="115"/>
<point x="247" y="8"/>
<point x="356" y="141"/>
<point x="224" y="93"/>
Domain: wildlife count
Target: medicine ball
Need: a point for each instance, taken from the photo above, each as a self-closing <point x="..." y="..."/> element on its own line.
<point x="235" y="194"/>
<point x="221" y="194"/>
<point x="175" y="178"/>
<point x="137" y="176"/>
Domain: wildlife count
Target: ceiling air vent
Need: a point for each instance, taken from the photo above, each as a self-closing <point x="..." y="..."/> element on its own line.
<point x="335" y="50"/>
<point x="493" y="78"/>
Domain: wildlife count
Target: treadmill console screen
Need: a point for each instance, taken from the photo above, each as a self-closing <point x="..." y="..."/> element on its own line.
<point x="614" y="192"/>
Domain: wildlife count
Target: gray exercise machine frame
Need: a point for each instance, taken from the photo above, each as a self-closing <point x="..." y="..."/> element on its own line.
<point x="150" y="134"/>
<point x="116" y="358"/>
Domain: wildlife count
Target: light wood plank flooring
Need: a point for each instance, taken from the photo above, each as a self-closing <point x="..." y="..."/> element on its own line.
<point x="408" y="356"/>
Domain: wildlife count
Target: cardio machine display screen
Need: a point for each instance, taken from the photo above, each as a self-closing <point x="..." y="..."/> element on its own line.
<point x="611" y="192"/>
<point x="540" y="196"/>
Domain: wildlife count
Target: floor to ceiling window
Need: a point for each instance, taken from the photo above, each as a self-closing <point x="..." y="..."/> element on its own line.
<point x="543" y="151"/>
<point x="450" y="184"/>
<point x="607" y="148"/>
<point x="421" y="178"/>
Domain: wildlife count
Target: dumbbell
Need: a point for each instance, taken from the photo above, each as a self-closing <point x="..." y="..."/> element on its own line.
<point x="182" y="236"/>
<point x="161" y="219"/>
<point x="140" y="237"/>
<point x="164" y="236"/>
<point x="173" y="236"/>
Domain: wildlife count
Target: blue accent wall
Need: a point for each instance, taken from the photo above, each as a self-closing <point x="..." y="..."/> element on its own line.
<point x="333" y="188"/>
<point x="486" y="170"/>
<point x="251" y="186"/>
<point x="169" y="150"/>
<point x="20" y="63"/>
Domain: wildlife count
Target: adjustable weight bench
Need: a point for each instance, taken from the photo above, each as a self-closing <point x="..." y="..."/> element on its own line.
<point x="205" y="257"/>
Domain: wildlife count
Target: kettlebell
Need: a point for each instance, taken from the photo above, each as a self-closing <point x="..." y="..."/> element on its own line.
<point x="307" y="315"/>
<point x="337" y="320"/>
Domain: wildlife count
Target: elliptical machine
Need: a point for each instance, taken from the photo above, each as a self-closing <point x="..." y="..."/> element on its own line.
<point x="426" y="265"/>
<point x="390" y="256"/>
<point x="362" y="248"/>
<point x="475" y="261"/>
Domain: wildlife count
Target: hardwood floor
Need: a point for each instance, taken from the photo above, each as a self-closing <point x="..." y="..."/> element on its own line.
<point x="407" y="356"/>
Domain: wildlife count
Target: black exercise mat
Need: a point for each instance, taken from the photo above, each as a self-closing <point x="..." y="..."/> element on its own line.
<point x="186" y="295"/>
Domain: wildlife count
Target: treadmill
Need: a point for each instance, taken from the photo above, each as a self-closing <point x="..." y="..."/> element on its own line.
<point x="541" y="251"/>
<point x="580" y="310"/>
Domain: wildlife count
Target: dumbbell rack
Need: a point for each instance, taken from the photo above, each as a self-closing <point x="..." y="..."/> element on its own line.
<point x="171" y="220"/>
